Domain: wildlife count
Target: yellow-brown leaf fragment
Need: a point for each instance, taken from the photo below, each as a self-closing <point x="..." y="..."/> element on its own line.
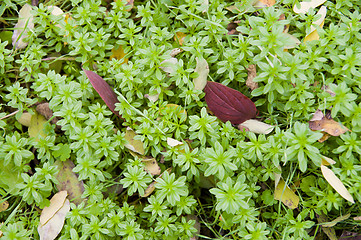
<point x="286" y="195"/>
<point x="118" y="53"/>
<point x="179" y="37"/>
<point x="252" y="73"/>
<point x="326" y="124"/>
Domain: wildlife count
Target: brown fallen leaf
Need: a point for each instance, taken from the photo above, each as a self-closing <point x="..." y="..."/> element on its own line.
<point x="326" y="124"/>
<point x="232" y="28"/>
<point x="175" y="52"/>
<point x="68" y="181"/>
<point x="252" y="73"/>
<point x="43" y="109"/>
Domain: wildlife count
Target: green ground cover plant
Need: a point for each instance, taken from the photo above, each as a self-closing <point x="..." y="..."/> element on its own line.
<point x="217" y="181"/>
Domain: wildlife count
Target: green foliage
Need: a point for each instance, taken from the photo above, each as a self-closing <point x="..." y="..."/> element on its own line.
<point x="219" y="177"/>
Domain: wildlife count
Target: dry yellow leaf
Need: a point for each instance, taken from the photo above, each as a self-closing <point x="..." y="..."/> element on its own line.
<point x="286" y="195"/>
<point x="3" y="205"/>
<point x="326" y="124"/>
<point x="336" y="183"/>
<point x="313" y="35"/>
<point x="133" y="144"/>
<point x="179" y="37"/>
<point x="56" y="202"/>
<point x="149" y="189"/>
<point x="151" y="166"/>
<point x="118" y="53"/>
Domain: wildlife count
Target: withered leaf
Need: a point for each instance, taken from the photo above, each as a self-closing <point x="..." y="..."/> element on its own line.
<point x="229" y="104"/>
<point x="252" y="73"/>
<point x="104" y="90"/>
<point x="327" y="124"/>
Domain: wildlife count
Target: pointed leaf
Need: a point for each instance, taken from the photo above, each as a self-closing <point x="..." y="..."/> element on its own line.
<point x="336" y="183"/>
<point x="229" y="104"/>
<point x="104" y="90"/>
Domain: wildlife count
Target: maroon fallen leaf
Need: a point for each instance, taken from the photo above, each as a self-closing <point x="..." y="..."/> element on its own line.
<point x="229" y="104"/>
<point x="104" y="90"/>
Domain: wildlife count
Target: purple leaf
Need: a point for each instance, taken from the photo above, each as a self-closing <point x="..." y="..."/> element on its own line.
<point x="229" y="104"/>
<point x="104" y="90"/>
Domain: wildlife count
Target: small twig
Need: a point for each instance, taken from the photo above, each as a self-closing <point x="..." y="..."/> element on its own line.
<point x="11" y="114"/>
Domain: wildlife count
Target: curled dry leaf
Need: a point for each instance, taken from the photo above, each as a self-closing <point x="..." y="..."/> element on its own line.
<point x="229" y="104"/>
<point x="175" y="52"/>
<point x="56" y="202"/>
<point x="326" y="124"/>
<point x="168" y="65"/>
<point x="23" y="27"/>
<point x="149" y="189"/>
<point x="313" y="35"/>
<point x="252" y="73"/>
<point x="305" y="6"/>
<point x="202" y="69"/>
<point x="104" y="90"/>
<point x="336" y="183"/>
<point x="52" y="228"/>
<point x="69" y="181"/>
<point x="133" y="144"/>
<point x="256" y="126"/>
<point x="286" y="195"/>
